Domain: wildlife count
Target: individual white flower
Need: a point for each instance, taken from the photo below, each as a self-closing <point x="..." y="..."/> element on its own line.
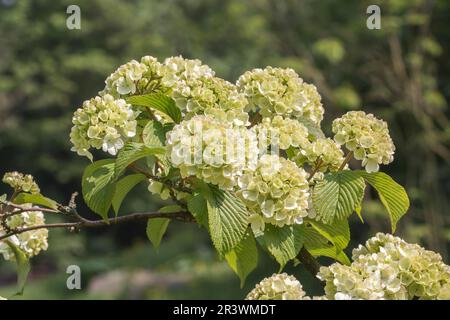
<point x="278" y="287"/>
<point x="102" y="123"/>
<point x="388" y="268"/>
<point x="367" y="137"/>
<point x="21" y="182"/>
<point x="30" y="242"/>
<point x="277" y="191"/>
<point x="212" y="150"/>
<point x="277" y="91"/>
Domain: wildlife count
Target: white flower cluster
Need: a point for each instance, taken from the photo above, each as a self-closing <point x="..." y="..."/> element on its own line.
<point x="276" y="192"/>
<point x="21" y="182"/>
<point x="367" y="137"/>
<point x="102" y="123"/>
<point x="388" y="268"/>
<point x="212" y="150"/>
<point x="322" y="152"/>
<point x="134" y="78"/>
<point x="277" y="91"/>
<point x="278" y="287"/>
<point x="30" y="242"/>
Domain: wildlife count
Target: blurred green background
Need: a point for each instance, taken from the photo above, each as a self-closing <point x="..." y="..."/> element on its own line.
<point x="400" y="73"/>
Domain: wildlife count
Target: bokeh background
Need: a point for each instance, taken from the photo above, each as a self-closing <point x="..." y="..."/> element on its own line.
<point x="400" y="73"/>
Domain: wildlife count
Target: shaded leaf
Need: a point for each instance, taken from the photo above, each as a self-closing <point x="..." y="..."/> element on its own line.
<point x="159" y="102"/>
<point x="123" y="187"/>
<point x="37" y="199"/>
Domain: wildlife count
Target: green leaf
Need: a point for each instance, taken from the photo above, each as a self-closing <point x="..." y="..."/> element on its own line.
<point x="23" y="266"/>
<point x="199" y="209"/>
<point x="159" y="102"/>
<point x="131" y="152"/>
<point x="123" y="187"/>
<point x="338" y="195"/>
<point x="171" y="209"/>
<point x="37" y="199"/>
<point x="156" y="229"/>
<point x="98" y="187"/>
<point x="392" y="195"/>
<point x="318" y="245"/>
<point x="283" y="243"/>
<point x="313" y="128"/>
<point x="227" y="217"/>
<point x="243" y="259"/>
<point x="3" y="197"/>
<point x="153" y="134"/>
<point x="338" y="232"/>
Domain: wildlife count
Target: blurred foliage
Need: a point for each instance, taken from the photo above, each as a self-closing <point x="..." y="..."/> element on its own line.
<point x="400" y="73"/>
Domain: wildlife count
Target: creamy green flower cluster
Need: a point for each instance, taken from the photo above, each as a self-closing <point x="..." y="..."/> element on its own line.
<point x="276" y="192"/>
<point x="102" y="123"/>
<point x="322" y="152"/>
<point x="277" y="91"/>
<point x="212" y="150"/>
<point x="21" y="182"/>
<point x="278" y="287"/>
<point x="282" y="132"/>
<point x="134" y="78"/>
<point x="368" y="138"/>
<point x="388" y="268"/>
<point x="30" y="242"/>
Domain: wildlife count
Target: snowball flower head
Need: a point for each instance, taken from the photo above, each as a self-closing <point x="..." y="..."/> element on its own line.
<point x="214" y="151"/>
<point x="278" y="287"/>
<point x="102" y="123"/>
<point x="21" y="182"/>
<point x="276" y="192"/>
<point x="323" y="153"/>
<point x="367" y="137"/>
<point x="30" y="242"/>
<point x="278" y="91"/>
<point x="389" y="268"/>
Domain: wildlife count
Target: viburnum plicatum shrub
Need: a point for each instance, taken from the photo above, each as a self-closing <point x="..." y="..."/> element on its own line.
<point x="250" y="163"/>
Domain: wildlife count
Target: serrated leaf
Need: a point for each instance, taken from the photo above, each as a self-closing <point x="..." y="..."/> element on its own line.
<point x="37" y="199"/>
<point x="153" y="134"/>
<point x="123" y="187"/>
<point x="392" y="195"/>
<point x="199" y="209"/>
<point x="131" y="152"/>
<point x="159" y="102"/>
<point x="23" y="266"/>
<point x="227" y="218"/>
<point x="284" y="243"/>
<point x="98" y="187"/>
<point x="313" y="128"/>
<point x="338" y="195"/>
<point x="156" y="229"/>
<point x="318" y="245"/>
<point x="243" y="259"/>
<point x="338" y="232"/>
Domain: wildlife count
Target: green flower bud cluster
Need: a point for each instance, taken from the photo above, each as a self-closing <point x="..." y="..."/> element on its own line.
<point x="323" y="152"/>
<point x="278" y="287"/>
<point x="102" y="123"/>
<point x="277" y="91"/>
<point x="388" y="268"/>
<point x="276" y="192"/>
<point x="134" y="78"/>
<point x="282" y="132"/>
<point x="21" y="182"/>
<point x="212" y="150"/>
<point x="30" y="242"/>
<point x="368" y="138"/>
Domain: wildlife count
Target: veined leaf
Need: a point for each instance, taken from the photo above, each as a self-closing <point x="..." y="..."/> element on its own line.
<point x="338" y="195"/>
<point x="123" y="187"/>
<point x="23" y="266"/>
<point x="338" y="232"/>
<point x="153" y="134"/>
<point x="98" y="187"/>
<point x="156" y="229"/>
<point x="131" y="152"/>
<point x="392" y="195"/>
<point x="313" y="128"/>
<point x="158" y="101"/>
<point x="199" y="209"/>
<point x="37" y="199"/>
<point x="283" y="243"/>
<point x="243" y="258"/>
<point x="227" y="218"/>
